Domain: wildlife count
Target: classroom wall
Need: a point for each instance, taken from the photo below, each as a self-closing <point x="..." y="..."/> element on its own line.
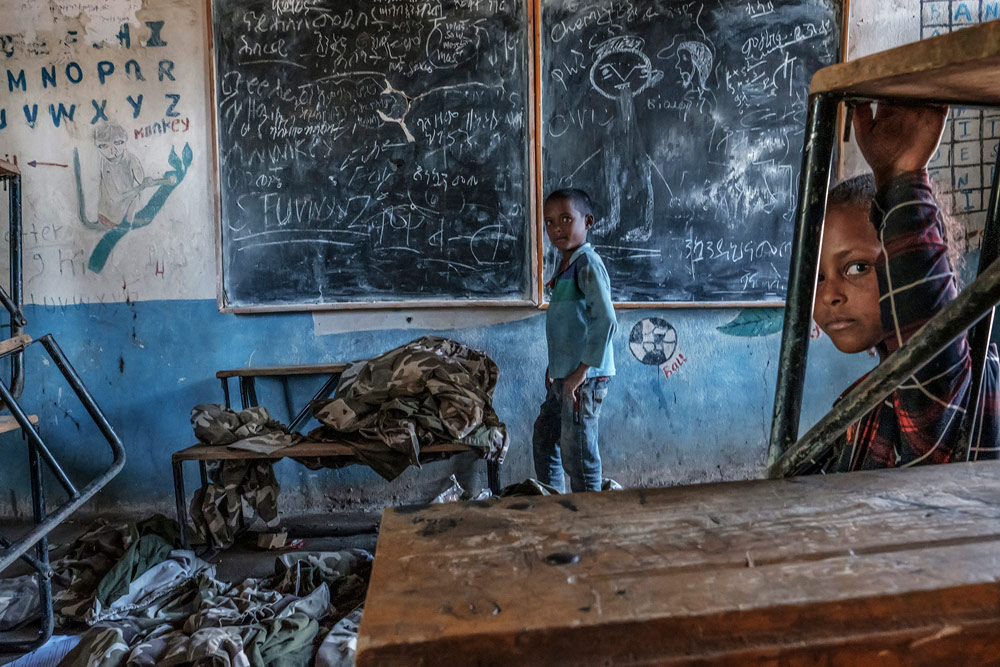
<point x="137" y="316"/>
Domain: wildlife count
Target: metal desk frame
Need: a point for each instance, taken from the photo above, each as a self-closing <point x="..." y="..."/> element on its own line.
<point x="934" y="69"/>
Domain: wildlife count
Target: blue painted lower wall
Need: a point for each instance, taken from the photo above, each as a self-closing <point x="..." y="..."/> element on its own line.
<point x="148" y="363"/>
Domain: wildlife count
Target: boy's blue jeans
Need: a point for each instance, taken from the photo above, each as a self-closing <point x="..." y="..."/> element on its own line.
<point x="566" y="437"/>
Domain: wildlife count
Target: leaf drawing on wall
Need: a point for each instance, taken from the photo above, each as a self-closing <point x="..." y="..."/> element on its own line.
<point x="753" y="322"/>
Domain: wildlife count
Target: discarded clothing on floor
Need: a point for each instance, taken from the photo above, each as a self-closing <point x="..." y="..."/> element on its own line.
<point x="431" y="390"/>
<point x="159" y="588"/>
<point x="18" y="601"/>
<point x="341" y="643"/>
<point x="153" y="609"/>
<point x="91" y="565"/>
<point x="345" y="572"/>
<point x="529" y="487"/>
<point x="203" y="621"/>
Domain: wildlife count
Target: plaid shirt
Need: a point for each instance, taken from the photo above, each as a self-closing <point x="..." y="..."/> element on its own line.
<point x="920" y="421"/>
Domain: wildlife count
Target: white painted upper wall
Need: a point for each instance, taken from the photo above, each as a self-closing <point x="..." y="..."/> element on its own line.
<point x="136" y="222"/>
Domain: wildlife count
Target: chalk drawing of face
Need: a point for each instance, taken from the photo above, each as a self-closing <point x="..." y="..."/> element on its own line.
<point x="694" y="62"/>
<point x="621" y="69"/>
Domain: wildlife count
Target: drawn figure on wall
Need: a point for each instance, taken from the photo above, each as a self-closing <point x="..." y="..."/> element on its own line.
<point x="122" y="177"/>
<point x="694" y="63"/>
<point x="622" y="71"/>
<point x="121" y="187"/>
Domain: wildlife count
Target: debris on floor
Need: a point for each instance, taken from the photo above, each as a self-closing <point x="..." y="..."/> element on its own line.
<point x="138" y="600"/>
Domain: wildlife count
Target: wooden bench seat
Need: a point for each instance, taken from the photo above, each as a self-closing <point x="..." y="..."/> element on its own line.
<point x="301" y="450"/>
<point x="277" y="371"/>
<point x="203" y="453"/>
<point x="8" y="423"/>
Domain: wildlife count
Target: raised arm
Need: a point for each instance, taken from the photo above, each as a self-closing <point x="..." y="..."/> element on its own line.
<point x="916" y="279"/>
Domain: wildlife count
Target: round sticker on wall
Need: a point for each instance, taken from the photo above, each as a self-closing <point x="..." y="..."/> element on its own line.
<point x="653" y="341"/>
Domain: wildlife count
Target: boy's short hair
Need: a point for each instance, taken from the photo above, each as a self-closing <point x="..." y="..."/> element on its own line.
<point x="579" y="199"/>
<point x="859" y="192"/>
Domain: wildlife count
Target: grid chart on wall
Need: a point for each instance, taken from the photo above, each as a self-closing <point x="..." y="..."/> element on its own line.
<point x="964" y="164"/>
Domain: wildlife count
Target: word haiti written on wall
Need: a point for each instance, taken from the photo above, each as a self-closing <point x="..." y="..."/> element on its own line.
<point x="373" y="150"/>
<point x="103" y="111"/>
<point x="684" y="121"/>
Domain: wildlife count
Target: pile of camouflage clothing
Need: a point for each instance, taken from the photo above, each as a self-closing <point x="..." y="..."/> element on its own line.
<point x="217" y="508"/>
<point x="147" y="603"/>
<point x="431" y="390"/>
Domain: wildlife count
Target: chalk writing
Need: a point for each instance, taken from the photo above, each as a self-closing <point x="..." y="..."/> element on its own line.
<point x="684" y="122"/>
<point x="374" y="151"/>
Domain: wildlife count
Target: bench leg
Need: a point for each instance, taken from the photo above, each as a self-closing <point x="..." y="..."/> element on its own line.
<point x="493" y="476"/>
<point x="225" y="390"/>
<point x="181" y="506"/>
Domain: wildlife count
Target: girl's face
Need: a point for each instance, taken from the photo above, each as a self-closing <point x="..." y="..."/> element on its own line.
<point x="847" y="298"/>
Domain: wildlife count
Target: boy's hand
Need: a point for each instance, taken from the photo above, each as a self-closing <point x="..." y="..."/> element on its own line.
<point x="572" y="382"/>
<point x="548" y="380"/>
<point x="898" y="139"/>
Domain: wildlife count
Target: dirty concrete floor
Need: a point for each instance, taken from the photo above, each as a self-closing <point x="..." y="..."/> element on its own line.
<point x="320" y="532"/>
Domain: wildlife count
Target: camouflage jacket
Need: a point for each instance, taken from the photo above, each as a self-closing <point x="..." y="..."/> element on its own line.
<point x="217" y="509"/>
<point x="431" y="390"/>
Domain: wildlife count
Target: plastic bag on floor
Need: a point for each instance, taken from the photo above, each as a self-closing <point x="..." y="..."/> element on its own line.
<point x="452" y="493"/>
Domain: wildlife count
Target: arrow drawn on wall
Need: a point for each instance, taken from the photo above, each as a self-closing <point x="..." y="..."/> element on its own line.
<point x="33" y="163"/>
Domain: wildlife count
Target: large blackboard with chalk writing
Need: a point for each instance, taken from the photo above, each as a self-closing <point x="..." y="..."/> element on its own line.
<point x="372" y="151"/>
<point x="684" y="121"/>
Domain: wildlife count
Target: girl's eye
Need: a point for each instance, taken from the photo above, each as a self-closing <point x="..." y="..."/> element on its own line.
<point x="857" y="268"/>
<point x="820" y="278"/>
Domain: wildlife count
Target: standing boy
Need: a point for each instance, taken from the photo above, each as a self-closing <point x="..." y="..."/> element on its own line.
<point x="579" y="325"/>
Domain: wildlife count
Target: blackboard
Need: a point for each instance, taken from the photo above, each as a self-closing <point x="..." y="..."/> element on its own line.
<point x="372" y="151"/>
<point x="684" y="121"/>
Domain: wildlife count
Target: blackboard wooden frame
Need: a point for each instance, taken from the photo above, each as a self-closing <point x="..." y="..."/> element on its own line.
<point x="536" y="236"/>
<point x="533" y="292"/>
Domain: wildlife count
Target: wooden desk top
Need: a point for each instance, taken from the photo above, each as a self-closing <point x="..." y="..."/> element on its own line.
<point x="959" y="67"/>
<point x="301" y="450"/>
<point x="7" y="169"/>
<point x="302" y="369"/>
<point x="8" y="423"/>
<point x="895" y="567"/>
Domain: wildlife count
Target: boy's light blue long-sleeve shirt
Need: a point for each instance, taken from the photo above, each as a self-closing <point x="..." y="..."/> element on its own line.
<point x="580" y="321"/>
